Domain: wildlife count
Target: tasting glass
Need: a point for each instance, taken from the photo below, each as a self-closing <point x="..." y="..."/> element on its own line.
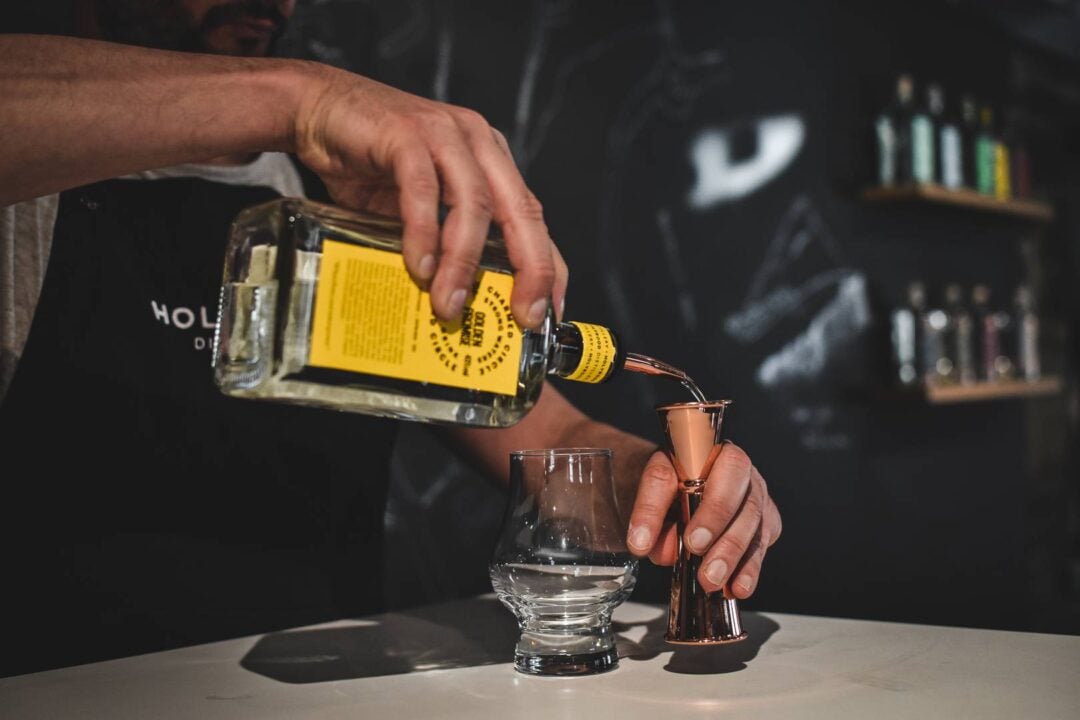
<point x="561" y="564"/>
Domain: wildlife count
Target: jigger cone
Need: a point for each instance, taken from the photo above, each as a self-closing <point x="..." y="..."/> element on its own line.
<point x="692" y="435"/>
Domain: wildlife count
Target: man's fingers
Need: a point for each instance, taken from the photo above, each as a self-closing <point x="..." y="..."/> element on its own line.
<point x="656" y="491"/>
<point x="466" y="193"/>
<point x="562" y="280"/>
<point x="733" y="545"/>
<point x="725" y="491"/>
<point x="418" y="203"/>
<point x="771" y="522"/>
<point x="521" y="218"/>
<point x="749" y="571"/>
<point x="666" y="549"/>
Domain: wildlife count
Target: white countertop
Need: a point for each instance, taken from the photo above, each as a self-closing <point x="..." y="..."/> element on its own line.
<point x="453" y="661"/>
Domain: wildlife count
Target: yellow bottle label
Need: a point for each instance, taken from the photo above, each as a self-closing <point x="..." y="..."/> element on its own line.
<point x="370" y="317"/>
<point x="598" y="353"/>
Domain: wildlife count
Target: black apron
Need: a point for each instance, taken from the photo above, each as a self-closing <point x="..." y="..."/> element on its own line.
<point x="142" y="508"/>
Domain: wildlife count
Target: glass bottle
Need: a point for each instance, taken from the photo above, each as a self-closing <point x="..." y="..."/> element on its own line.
<point x="969" y="132"/>
<point x="317" y="309"/>
<point x="1006" y="362"/>
<point x="962" y="335"/>
<point x="1027" y="329"/>
<point x="985" y="152"/>
<point x="905" y="336"/>
<point x="923" y="152"/>
<point x="938" y="367"/>
<point x="986" y="333"/>
<point x="1003" y="162"/>
<point x="1019" y="156"/>
<point x="893" y="132"/>
<point x="950" y="168"/>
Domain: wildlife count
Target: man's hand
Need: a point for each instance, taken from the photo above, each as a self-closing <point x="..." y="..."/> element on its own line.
<point x="732" y="529"/>
<point x="390" y="152"/>
<point x="735" y="524"/>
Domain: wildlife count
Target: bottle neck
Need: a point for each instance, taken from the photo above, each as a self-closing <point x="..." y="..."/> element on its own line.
<point x="585" y="353"/>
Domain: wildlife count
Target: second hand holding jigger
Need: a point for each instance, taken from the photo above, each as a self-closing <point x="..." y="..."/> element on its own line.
<point x="695" y="617"/>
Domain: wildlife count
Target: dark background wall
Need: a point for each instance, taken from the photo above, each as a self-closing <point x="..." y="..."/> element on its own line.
<point x="700" y="165"/>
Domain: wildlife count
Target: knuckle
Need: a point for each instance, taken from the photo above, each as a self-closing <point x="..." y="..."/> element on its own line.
<point x="481" y="202"/>
<point x="459" y="263"/>
<point x="648" y="508"/>
<point x="471" y="119"/>
<point x="659" y="473"/>
<point x="424" y="228"/>
<point x="777" y="530"/>
<point x="424" y="186"/>
<point x="436" y="117"/>
<point x="732" y="548"/>
<point x="544" y="273"/>
<point x="735" y="459"/>
<point x="500" y="138"/>
<point x="753" y="506"/>
<point x="722" y="507"/>
<point x="527" y="206"/>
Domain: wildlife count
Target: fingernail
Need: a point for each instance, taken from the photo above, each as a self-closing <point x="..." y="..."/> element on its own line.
<point x="456" y="304"/>
<point x="427" y="267"/>
<point x="699" y="540"/>
<point x="640" y="538"/>
<point x="716" y="571"/>
<point x="745" y="582"/>
<point x="537" y="312"/>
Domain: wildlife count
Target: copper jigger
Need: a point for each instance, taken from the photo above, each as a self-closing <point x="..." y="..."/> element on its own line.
<point x="695" y="617"/>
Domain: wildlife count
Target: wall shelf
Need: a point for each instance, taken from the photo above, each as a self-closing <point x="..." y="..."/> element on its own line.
<point x="947" y="394"/>
<point x="1034" y="210"/>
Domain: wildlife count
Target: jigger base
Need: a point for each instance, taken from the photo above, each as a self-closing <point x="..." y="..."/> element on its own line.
<point x="562" y="665"/>
<point x="725" y="641"/>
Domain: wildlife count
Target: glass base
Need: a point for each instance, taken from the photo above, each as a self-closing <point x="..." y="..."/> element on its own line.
<point x="588" y="664"/>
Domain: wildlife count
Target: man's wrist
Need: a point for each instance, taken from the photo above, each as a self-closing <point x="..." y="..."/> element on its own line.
<point x="297" y="86"/>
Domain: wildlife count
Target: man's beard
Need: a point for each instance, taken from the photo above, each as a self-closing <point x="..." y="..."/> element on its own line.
<point x="168" y="25"/>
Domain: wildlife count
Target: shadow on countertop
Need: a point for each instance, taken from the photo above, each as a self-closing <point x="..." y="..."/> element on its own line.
<point x="459" y="634"/>
<point x="456" y="634"/>
<point x="712" y="660"/>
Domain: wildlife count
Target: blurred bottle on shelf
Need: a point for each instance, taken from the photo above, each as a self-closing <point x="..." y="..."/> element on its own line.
<point x="985" y="152"/>
<point x="950" y="168"/>
<point x="961" y="336"/>
<point x="893" y="133"/>
<point x="923" y="152"/>
<point x="905" y="323"/>
<point x="1027" y="330"/>
<point x="1006" y="362"/>
<point x="936" y="330"/>
<point x="1002" y="163"/>
<point x="969" y="134"/>
<point x="1019" y="156"/>
<point x="986" y="333"/>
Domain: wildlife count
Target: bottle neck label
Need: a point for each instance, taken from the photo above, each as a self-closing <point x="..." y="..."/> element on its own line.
<point x="598" y="354"/>
<point x="370" y="317"/>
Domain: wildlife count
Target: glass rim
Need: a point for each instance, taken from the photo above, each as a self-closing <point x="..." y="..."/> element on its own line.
<point x="707" y="405"/>
<point x="563" y="452"/>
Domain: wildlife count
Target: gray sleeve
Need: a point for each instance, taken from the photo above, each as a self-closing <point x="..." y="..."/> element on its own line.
<point x="26" y="231"/>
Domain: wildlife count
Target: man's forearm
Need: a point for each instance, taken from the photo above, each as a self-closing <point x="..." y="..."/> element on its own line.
<point x="74" y="111"/>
